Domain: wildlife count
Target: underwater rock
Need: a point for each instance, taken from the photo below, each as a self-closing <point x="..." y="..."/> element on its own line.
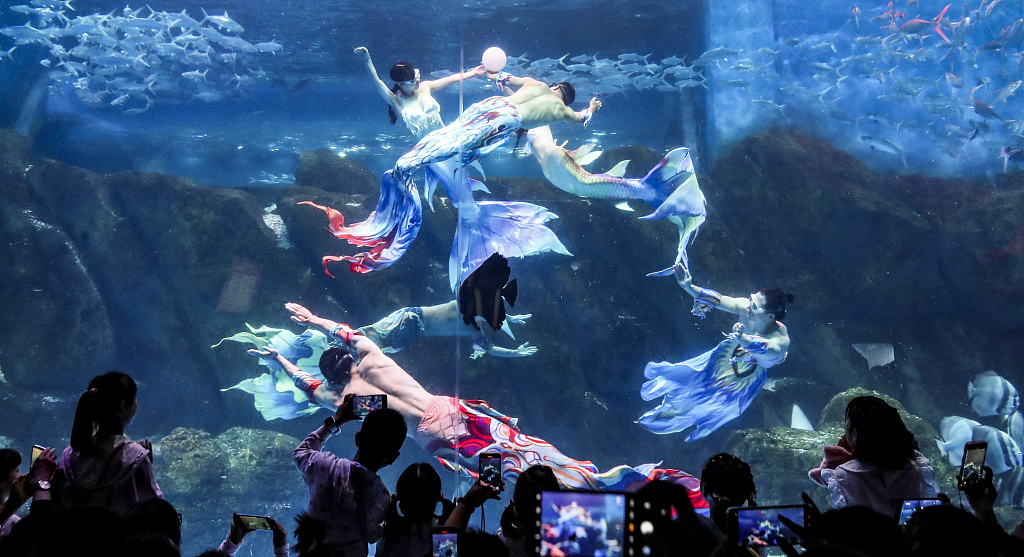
<point x="325" y="170"/>
<point x="260" y="461"/>
<point x="189" y="462"/>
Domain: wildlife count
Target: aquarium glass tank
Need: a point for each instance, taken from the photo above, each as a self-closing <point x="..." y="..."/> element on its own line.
<point x="738" y="217"/>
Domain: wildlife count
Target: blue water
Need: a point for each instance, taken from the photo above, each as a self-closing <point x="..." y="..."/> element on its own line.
<point x="695" y="74"/>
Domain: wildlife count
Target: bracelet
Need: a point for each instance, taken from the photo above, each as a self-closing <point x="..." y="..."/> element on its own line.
<point x="587" y="115"/>
<point x="705" y="301"/>
<point x="344" y="332"/>
<point x="501" y="79"/>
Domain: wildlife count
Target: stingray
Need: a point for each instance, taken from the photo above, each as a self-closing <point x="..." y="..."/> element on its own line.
<point x="482" y="292"/>
<point x="878" y="354"/>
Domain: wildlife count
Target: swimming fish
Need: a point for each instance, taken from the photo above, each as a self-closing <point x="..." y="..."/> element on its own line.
<point x="1003" y="453"/>
<point x="1015" y="427"/>
<point x="482" y="292"/>
<point x="1010" y="488"/>
<point x="955" y="431"/>
<point x="992" y="395"/>
<point x="877" y="355"/>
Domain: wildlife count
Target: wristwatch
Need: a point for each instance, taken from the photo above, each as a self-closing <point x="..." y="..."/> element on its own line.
<point x="330" y="425"/>
<point x="43" y="485"/>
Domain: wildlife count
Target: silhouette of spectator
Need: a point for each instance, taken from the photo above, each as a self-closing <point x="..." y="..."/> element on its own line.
<point x="103" y="466"/>
<point x="345" y="495"/>
<point x="35" y="485"/>
<point x="519" y="519"/>
<point x="876" y="463"/>
<point x="726" y="481"/>
<point x="154" y="517"/>
<point x="410" y="518"/>
<point x="474" y="543"/>
<point x="10" y="460"/>
<point x="948" y="530"/>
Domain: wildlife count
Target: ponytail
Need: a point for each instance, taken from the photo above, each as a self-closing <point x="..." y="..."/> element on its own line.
<point x="98" y="409"/>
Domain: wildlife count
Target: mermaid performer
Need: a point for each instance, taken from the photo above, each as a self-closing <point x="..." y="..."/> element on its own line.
<point x="411" y="97"/>
<point x="481" y="129"/>
<point x="670" y="187"/>
<point x="711" y="389"/>
<point x="455" y="431"/>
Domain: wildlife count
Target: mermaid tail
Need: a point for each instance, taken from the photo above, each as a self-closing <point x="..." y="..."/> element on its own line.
<point x="486" y="430"/>
<point x="389" y="230"/>
<point x="511" y="228"/>
<point x="275" y="394"/>
<point x="706" y="391"/>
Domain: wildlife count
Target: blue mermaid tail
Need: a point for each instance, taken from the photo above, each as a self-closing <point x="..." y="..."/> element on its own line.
<point x="511" y="228"/>
<point x="275" y="394"/>
<point x="705" y="391"/>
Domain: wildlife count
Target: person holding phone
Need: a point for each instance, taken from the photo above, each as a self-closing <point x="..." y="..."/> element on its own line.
<point x="239" y="529"/>
<point x="411" y="518"/>
<point x="876" y="463"/>
<point x="347" y="496"/>
<point x="457" y="430"/>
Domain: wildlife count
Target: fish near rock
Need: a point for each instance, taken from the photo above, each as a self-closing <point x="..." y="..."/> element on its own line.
<point x="992" y="395"/>
<point x="955" y="431"/>
<point x="483" y="292"/>
<point x="1003" y="452"/>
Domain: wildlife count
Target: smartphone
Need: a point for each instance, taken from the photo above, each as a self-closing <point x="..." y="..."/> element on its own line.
<point x="254" y="522"/>
<point x="36" y="451"/>
<point x="490" y="469"/>
<point x="974" y="460"/>
<point x="909" y="506"/>
<point x="761" y="527"/>
<point x="445" y="541"/>
<point x="584" y="523"/>
<point x="363" y="405"/>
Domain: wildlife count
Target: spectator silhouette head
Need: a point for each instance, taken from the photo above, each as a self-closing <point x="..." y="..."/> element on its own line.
<point x="948" y="530"/>
<point x="877" y="433"/>
<point x="154" y="517"/>
<point x="726" y="481"/>
<point x="418" y="491"/>
<point x="520" y="516"/>
<point x="474" y="543"/>
<point x="10" y="460"/>
<point x="380" y="438"/>
<point x="103" y="410"/>
<point x="849" y="528"/>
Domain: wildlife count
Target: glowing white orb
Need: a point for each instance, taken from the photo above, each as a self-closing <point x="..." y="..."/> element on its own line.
<point x="494" y="59"/>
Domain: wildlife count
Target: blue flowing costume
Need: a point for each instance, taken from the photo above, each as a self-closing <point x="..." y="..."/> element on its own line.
<point x="706" y="391"/>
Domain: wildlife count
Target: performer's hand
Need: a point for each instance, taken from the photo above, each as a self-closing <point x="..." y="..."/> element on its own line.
<point x="268" y="352"/>
<point x="518" y="319"/>
<point x="738" y="328"/>
<point x="595" y="105"/>
<point x="682" y="275"/>
<point x="526" y="350"/>
<point x="362" y="52"/>
<point x="299" y="313"/>
<point x="479" y="70"/>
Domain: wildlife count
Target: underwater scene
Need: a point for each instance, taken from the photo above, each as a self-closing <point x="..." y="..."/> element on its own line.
<point x="736" y="218"/>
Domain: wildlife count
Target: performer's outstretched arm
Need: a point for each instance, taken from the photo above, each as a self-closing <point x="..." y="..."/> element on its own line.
<point x="705" y="299"/>
<point x="341" y="331"/>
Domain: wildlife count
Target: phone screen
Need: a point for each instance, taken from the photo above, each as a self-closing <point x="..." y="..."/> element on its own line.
<point x="910" y="506"/>
<point x="490" y="469"/>
<point x="253" y="522"/>
<point x="446" y="544"/>
<point x="761" y="527"/>
<point x="974" y="461"/>
<point x="363" y="405"/>
<point x="36" y="451"/>
<point x="582" y="523"/>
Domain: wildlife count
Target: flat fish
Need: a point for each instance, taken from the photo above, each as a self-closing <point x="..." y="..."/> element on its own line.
<point x="877" y="355"/>
<point x="483" y="292"/>
<point x="955" y="431"/>
<point x="992" y="395"/>
<point x="1003" y="453"/>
